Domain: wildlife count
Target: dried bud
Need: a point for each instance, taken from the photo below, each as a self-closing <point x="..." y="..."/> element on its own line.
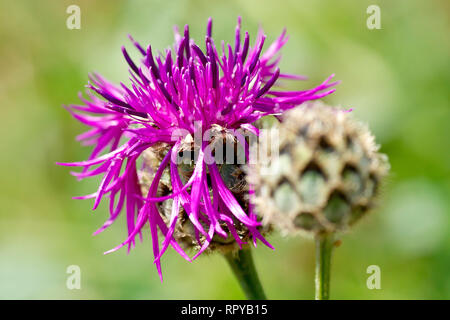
<point x="327" y="174"/>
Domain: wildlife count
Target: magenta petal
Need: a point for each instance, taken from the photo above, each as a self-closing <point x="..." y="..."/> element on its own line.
<point x="229" y="199"/>
<point x="167" y="96"/>
<point x="184" y="197"/>
<point x="213" y="215"/>
<point x="198" y="178"/>
<point x="171" y="229"/>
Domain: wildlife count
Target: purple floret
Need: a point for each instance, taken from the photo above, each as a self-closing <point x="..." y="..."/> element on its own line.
<point x="173" y="91"/>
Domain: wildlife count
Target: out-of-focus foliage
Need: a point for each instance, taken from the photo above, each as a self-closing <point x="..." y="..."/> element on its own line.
<point x="395" y="78"/>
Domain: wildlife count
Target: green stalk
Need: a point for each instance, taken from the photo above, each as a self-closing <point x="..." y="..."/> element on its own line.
<point x="324" y="248"/>
<point x="241" y="263"/>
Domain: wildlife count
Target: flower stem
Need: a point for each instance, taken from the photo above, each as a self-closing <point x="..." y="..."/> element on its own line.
<point x="324" y="248"/>
<point x="241" y="262"/>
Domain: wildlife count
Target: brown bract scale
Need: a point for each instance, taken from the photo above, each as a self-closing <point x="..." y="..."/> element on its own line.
<point x="326" y="177"/>
<point x="232" y="174"/>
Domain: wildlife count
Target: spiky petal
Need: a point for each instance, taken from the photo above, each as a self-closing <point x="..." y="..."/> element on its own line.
<point x="185" y="90"/>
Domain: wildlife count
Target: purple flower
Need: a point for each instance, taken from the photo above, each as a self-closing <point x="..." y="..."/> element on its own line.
<point x="187" y="90"/>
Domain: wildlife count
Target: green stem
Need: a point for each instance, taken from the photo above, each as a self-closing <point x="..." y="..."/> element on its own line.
<point x="241" y="263"/>
<point x="324" y="248"/>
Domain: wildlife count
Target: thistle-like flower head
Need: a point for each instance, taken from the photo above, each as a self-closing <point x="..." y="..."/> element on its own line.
<point x="171" y="98"/>
<point x="327" y="174"/>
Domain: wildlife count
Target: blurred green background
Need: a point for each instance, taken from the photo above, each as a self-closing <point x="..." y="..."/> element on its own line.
<point x="396" y="79"/>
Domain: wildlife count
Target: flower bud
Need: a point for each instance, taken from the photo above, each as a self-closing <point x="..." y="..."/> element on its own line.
<point x="327" y="174"/>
